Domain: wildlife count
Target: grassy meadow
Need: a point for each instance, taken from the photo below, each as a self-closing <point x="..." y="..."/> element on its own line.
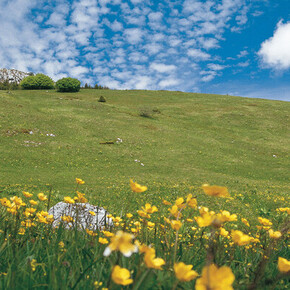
<point x="172" y="142"/>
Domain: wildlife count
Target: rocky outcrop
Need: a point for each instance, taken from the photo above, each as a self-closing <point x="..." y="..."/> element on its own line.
<point x="12" y="75"/>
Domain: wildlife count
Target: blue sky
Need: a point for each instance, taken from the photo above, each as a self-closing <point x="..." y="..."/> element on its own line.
<point x="236" y="47"/>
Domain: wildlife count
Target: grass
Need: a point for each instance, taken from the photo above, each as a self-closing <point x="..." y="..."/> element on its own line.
<point x="196" y="138"/>
<point x="48" y="139"/>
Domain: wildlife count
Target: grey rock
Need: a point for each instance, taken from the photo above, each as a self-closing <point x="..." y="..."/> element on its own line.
<point x="81" y="216"/>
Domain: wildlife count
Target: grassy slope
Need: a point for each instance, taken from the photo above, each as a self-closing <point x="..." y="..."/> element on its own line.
<point x="195" y="139"/>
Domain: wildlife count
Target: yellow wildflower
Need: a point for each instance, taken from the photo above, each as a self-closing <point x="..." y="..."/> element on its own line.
<point x="121" y="276"/>
<point x="61" y="244"/>
<point x="5" y="202"/>
<point x="108" y="234"/>
<point x="264" y="221"/>
<point x="81" y="197"/>
<point x="225" y="216"/>
<point x="68" y="199"/>
<point x="27" y="224"/>
<point x="137" y="187"/>
<point x="192" y="202"/>
<point x="17" y="201"/>
<point x="224" y="232"/>
<point x="80" y="181"/>
<point x="91" y="233"/>
<point x="29" y="211"/>
<point x="143" y="214"/>
<point x="176" y="225"/>
<point x="215" y="278"/>
<point x="121" y="242"/>
<point x="215" y="190"/>
<point x="283" y="265"/>
<point x="149" y="209"/>
<point x="92" y="212"/>
<point x="103" y="241"/>
<point x="245" y="222"/>
<point x="129" y="215"/>
<point x="151" y="261"/>
<point x="184" y="272"/>
<point x="42" y="196"/>
<point x="33" y="202"/>
<point x="21" y="231"/>
<point x="67" y="218"/>
<point x="274" y="235"/>
<point x="166" y="202"/>
<point x="27" y="194"/>
<point x="33" y="264"/>
<point x="284" y="209"/>
<point x="205" y="220"/>
<point x="174" y="211"/>
<point x="240" y="238"/>
<point x="179" y="202"/>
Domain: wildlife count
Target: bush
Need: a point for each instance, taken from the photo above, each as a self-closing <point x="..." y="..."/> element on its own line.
<point x="37" y="82"/>
<point x="68" y="85"/>
<point x="102" y="99"/>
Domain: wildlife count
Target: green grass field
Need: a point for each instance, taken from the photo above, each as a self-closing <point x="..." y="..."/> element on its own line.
<point x="48" y="139"/>
<point x="192" y="139"/>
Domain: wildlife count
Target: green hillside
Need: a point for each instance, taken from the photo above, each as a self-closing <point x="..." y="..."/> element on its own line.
<point x="190" y="139"/>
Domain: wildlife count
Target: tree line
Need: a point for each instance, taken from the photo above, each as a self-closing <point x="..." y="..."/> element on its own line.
<point x="44" y="82"/>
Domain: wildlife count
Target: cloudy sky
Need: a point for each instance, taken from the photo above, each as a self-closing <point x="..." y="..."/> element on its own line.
<point x="236" y="47"/>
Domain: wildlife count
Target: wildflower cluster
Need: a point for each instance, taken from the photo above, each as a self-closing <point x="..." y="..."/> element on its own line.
<point x="178" y="243"/>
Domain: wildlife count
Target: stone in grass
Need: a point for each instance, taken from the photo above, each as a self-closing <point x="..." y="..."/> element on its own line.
<point x="82" y="218"/>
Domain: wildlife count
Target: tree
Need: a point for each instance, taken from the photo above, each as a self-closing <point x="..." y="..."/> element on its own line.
<point x="68" y="85"/>
<point x="37" y="82"/>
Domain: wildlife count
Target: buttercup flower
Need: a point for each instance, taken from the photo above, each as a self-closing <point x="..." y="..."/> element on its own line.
<point x="192" y="202"/>
<point x="121" y="276"/>
<point x="184" y="272"/>
<point x="33" y="202"/>
<point x="81" y="197"/>
<point x="179" y="202"/>
<point x="151" y="261"/>
<point x="264" y="221"/>
<point x="103" y="241"/>
<point x="27" y="194"/>
<point x="42" y="197"/>
<point x="274" y="235"/>
<point x="174" y="211"/>
<point x="149" y="209"/>
<point x="283" y="265"/>
<point x="166" y="202"/>
<point x="80" y="181"/>
<point x="121" y="242"/>
<point x="215" y="278"/>
<point x="68" y="199"/>
<point x="176" y="225"/>
<point x="205" y="220"/>
<point x="225" y="216"/>
<point x="215" y="190"/>
<point x="137" y="187"/>
<point x="33" y="264"/>
<point x="240" y="238"/>
<point x="244" y="221"/>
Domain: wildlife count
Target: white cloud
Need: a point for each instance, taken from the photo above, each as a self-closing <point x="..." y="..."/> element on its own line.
<point x="198" y="54"/>
<point x="162" y="68"/>
<point x="167" y="83"/>
<point x="275" y="51"/>
<point x="214" y="66"/>
<point x="116" y="26"/>
<point x="133" y="35"/>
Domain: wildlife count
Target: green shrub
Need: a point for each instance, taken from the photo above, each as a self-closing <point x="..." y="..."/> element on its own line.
<point x="68" y="85"/>
<point x="37" y="82"/>
<point x="102" y="99"/>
